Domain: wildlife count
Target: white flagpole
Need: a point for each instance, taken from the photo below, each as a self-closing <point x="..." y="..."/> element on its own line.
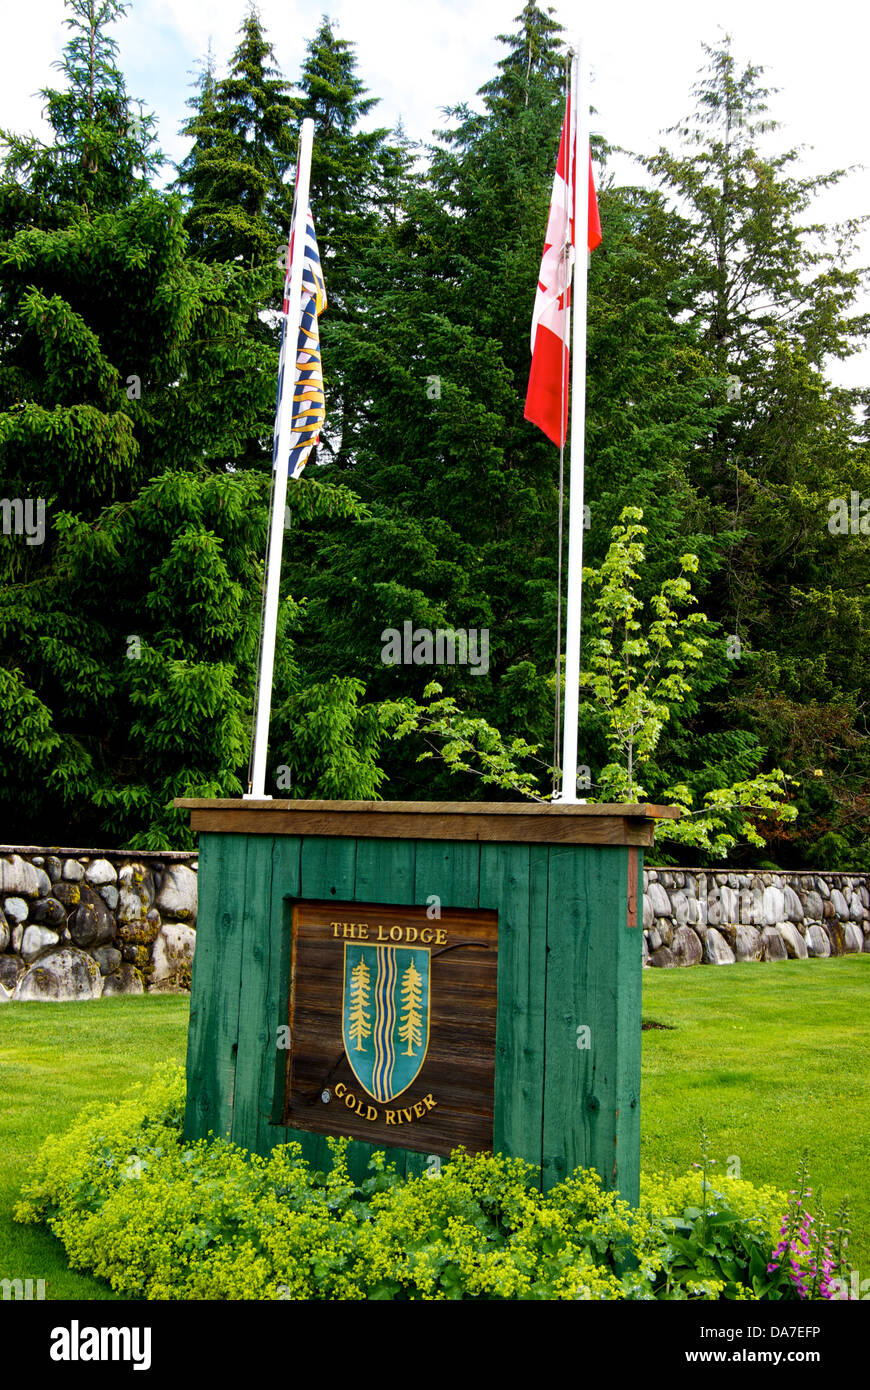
<point x="279" y="499"/>
<point x="580" y="121"/>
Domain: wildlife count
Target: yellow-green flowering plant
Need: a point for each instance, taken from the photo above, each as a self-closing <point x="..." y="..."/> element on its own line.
<point x="163" y="1219"/>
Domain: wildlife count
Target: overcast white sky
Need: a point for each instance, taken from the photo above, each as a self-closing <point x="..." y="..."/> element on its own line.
<point x="420" y="57"/>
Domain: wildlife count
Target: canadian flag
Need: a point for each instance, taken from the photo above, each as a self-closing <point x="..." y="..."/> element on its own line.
<point x="547" y="396"/>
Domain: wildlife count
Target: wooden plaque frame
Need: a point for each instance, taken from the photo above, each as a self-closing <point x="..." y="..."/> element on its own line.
<point x="450" y="1099"/>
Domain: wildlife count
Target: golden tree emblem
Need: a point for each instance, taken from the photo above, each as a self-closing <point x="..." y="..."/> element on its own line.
<point x="360" y="1023"/>
<point x="411" y="1026"/>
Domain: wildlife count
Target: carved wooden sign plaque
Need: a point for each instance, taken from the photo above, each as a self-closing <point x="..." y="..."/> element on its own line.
<point x="392" y="1024"/>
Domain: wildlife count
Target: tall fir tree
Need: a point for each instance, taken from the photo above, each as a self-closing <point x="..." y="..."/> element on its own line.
<point x="358" y="182"/>
<point x="353" y="171"/>
<point x="773" y="300"/>
<point x="196" y="176"/>
<point x="244" y="132"/>
<point x="532" y="67"/>
<point x="103" y="149"/>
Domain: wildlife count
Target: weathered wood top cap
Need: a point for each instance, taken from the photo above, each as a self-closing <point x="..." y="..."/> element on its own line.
<point x="509" y="821"/>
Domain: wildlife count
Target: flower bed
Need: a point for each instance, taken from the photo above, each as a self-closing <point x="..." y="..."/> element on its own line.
<point x="162" y="1219"/>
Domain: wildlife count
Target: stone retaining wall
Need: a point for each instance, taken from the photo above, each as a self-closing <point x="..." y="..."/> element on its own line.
<point x="713" y="917"/>
<point x="85" y="924"/>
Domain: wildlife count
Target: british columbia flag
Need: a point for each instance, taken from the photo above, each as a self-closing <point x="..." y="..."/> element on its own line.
<point x="309" y="402"/>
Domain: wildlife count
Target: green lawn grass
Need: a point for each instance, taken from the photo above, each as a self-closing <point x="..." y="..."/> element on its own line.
<point x="773" y="1057"/>
<point x="55" y="1058"/>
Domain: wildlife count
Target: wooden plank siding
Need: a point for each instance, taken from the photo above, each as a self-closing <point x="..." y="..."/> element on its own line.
<point x="215" y="986"/>
<point x="569" y="954"/>
<point x="592" y="1095"/>
<point x="256" y="1029"/>
<point x="513" y="882"/>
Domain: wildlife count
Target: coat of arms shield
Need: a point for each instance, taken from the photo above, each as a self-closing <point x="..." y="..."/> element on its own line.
<point x="385" y="1015"/>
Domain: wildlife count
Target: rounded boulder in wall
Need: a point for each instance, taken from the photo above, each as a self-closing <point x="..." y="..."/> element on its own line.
<point x="177" y="896"/>
<point x="748" y="944"/>
<point x="18" y="877"/>
<point x="49" y="912"/>
<point x="663" y="958"/>
<point x="716" y="949"/>
<point x="793" y="939"/>
<point x="125" y="980"/>
<point x="659" y="901"/>
<point x="100" y="872"/>
<point x="818" y="941"/>
<point x="173" y="950"/>
<point x="853" y="939"/>
<point x="135" y="892"/>
<point x="91" y="924"/>
<point x="64" y="975"/>
<point x="37" y="939"/>
<point x="11" y="970"/>
<point x="774" y="946"/>
<point x="686" y="947"/>
<point x="16" y="909"/>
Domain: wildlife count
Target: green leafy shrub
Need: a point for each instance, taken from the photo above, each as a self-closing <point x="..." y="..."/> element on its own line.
<point x="163" y="1219"/>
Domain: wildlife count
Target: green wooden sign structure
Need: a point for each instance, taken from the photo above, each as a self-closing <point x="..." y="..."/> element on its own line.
<point x="565" y="883"/>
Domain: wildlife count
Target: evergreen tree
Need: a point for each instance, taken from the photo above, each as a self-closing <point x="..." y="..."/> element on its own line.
<point x="194" y="173"/>
<point x="358" y="183"/>
<point x="533" y="66"/>
<point x="119" y="632"/>
<point x="430" y="404"/>
<point x="244" y="133"/>
<point x="755" y="265"/>
<point x="102" y="150"/>
<point x="354" y="173"/>
<point x="463" y="492"/>
<point x="360" y="1024"/>
<point x="137" y="378"/>
<point x="129" y="636"/>
<point x="771" y="303"/>
<point x="411" y="1021"/>
<point x="129" y="384"/>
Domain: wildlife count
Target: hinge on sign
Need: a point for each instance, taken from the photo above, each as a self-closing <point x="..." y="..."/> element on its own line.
<point x="633" y="888"/>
